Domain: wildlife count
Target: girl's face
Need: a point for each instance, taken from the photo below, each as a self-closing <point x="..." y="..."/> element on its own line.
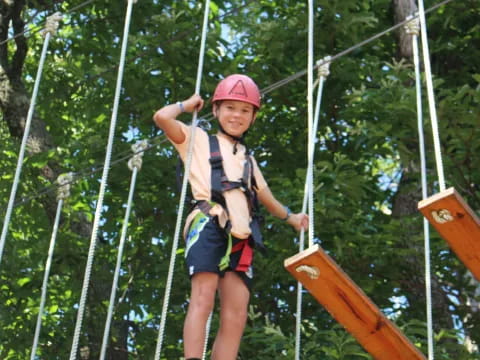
<point x="235" y="116"/>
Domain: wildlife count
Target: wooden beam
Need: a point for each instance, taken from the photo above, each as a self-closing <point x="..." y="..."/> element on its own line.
<point x="457" y="223"/>
<point x="347" y="303"/>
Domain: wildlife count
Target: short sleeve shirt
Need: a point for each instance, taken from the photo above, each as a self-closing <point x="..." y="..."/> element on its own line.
<point x="233" y="164"/>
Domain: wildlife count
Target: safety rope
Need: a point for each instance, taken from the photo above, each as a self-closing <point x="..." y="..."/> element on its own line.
<point x="103" y="185"/>
<point x="183" y="193"/>
<point x="63" y="192"/>
<point x="413" y="28"/>
<point x="431" y="97"/>
<point x="135" y="165"/>
<point x="6" y="222"/>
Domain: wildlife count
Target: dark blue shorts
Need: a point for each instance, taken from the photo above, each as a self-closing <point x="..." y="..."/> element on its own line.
<point x="207" y="244"/>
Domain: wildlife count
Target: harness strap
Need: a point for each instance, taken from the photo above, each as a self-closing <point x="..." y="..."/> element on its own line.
<point x="247" y="254"/>
<point x="225" y="261"/>
<point x="216" y="164"/>
<point x="245" y="258"/>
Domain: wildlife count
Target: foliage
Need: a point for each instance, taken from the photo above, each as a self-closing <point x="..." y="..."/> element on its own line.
<point x="366" y="151"/>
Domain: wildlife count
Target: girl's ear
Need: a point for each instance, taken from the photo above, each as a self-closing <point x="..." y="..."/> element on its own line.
<point x="253" y="118"/>
<point x="214" y="109"/>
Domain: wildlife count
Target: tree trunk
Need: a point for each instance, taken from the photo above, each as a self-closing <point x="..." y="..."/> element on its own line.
<point x="402" y="9"/>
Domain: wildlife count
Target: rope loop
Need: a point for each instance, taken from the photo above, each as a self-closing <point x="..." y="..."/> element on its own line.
<point x="442" y="216"/>
<point x="64" y="181"/>
<point x="138" y="151"/>
<point x="412" y="27"/>
<point x="52" y="24"/>
<point x="324" y="66"/>
<point x="312" y="271"/>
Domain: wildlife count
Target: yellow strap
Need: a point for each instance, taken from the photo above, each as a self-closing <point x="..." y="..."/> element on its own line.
<point x="225" y="261"/>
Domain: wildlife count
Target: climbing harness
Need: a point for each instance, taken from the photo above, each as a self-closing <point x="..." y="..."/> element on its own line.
<point x="221" y="184"/>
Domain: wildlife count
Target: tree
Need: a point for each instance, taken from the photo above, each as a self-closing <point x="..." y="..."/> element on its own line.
<point x="366" y="168"/>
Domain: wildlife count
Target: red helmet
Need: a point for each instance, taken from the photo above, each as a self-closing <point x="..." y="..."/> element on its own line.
<point x="238" y="87"/>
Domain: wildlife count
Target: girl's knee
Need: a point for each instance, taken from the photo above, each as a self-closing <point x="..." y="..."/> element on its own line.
<point x="202" y="302"/>
<point x="236" y="317"/>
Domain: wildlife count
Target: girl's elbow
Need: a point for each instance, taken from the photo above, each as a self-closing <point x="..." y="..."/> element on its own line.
<point x="159" y="120"/>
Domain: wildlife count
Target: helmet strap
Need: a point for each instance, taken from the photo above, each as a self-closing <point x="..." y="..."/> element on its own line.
<point x="236" y="139"/>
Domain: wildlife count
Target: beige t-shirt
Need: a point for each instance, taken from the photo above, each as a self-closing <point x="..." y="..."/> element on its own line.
<point x="233" y="164"/>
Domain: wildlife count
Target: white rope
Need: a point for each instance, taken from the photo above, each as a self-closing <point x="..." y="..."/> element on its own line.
<point x="183" y="192"/>
<point x="103" y="185"/>
<point x="413" y="29"/>
<point x="310" y="119"/>
<point x="23" y="146"/>
<point x="63" y="192"/>
<point x="431" y="96"/>
<point x="323" y="72"/>
<point x="207" y="331"/>
<point x="308" y="194"/>
<point x="135" y="165"/>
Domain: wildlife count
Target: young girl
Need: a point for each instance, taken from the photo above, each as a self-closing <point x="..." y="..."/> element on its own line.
<point x="222" y="230"/>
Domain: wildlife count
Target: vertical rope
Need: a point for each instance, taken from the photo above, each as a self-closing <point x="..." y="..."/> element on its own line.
<point x="63" y="192"/>
<point x="135" y="165"/>
<point x="207" y="331"/>
<point x="431" y="96"/>
<point x="103" y="185"/>
<point x="183" y="193"/>
<point x="323" y="72"/>
<point x="311" y="134"/>
<point x="413" y="29"/>
<point x="308" y="191"/>
<point x="50" y="29"/>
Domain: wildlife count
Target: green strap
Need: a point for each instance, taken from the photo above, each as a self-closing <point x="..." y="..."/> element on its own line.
<point x="225" y="261"/>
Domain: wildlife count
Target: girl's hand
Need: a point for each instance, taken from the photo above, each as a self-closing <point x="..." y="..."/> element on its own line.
<point x="298" y="221"/>
<point x="194" y="102"/>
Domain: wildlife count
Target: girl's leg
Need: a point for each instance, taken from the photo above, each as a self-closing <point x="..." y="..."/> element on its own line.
<point x="202" y="299"/>
<point x="234" y="298"/>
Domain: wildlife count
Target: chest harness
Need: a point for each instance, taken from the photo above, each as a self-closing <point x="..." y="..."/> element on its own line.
<point x="220" y="185"/>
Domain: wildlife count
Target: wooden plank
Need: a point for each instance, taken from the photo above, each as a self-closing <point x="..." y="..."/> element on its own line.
<point x="460" y="227"/>
<point x="347" y="303"/>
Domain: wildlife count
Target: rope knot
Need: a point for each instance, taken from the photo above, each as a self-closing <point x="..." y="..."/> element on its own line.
<point x="52" y="24"/>
<point x="64" y="181"/>
<point x="412" y="27"/>
<point x="324" y="66"/>
<point x="138" y="151"/>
